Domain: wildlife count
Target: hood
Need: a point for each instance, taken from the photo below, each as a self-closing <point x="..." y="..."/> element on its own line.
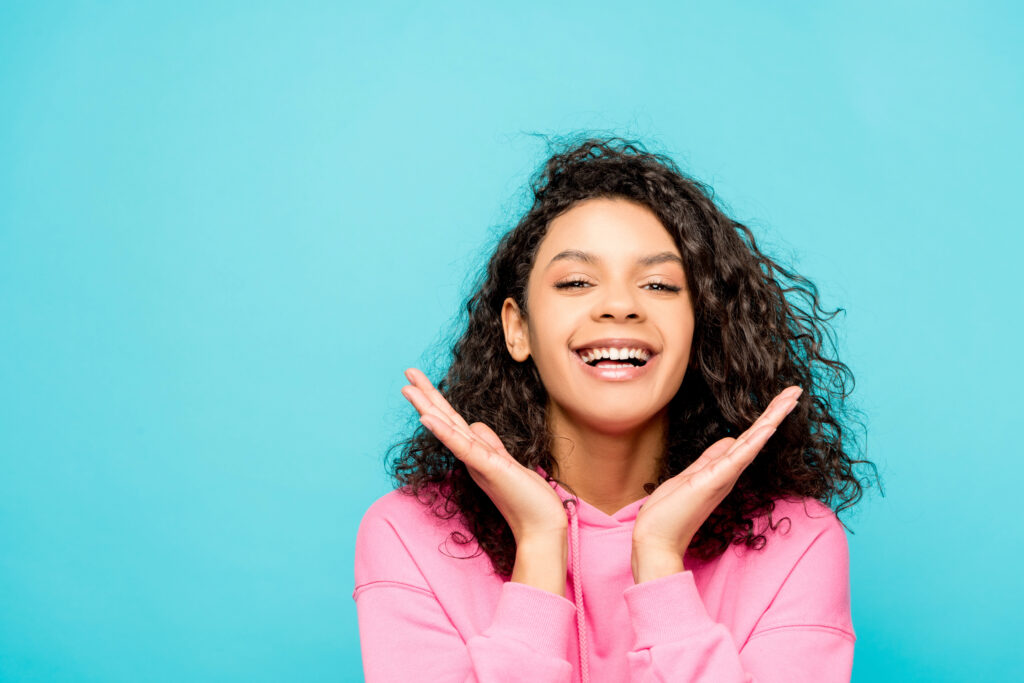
<point x="583" y="514"/>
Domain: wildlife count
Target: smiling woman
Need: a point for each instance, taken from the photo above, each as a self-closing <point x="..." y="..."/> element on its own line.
<point x="633" y="395"/>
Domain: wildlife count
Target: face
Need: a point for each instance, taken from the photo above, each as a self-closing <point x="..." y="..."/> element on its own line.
<point x="607" y="275"/>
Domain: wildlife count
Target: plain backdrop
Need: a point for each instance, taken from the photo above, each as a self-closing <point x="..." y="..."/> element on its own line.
<point x="227" y="228"/>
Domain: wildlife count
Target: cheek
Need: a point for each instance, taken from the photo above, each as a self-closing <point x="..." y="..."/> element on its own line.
<point x="683" y="336"/>
<point x="551" y="355"/>
<point x="549" y="329"/>
<point x="548" y="347"/>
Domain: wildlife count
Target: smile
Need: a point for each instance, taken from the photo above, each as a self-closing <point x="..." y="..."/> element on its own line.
<point x="616" y="370"/>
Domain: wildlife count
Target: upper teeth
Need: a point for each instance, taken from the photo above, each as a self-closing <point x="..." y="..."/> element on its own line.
<point x="613" y="354"/>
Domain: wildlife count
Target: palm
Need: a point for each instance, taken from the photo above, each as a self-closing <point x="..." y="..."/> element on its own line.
<point x="524" y="498"/>
<point x="675" y="510"/>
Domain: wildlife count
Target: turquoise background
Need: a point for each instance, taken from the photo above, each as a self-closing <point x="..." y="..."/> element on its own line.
<point x="227" y="228"/>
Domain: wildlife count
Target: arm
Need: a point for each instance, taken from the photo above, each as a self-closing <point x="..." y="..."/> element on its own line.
<point x="406" y="635"/>
<point x="805" y="635"/>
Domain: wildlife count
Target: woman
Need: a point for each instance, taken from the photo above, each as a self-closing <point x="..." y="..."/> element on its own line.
<point x="634" y="439"/>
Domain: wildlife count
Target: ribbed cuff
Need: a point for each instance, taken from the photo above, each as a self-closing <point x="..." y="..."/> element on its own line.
<point x="539" y="618"/>
<point x="666" y="610"/>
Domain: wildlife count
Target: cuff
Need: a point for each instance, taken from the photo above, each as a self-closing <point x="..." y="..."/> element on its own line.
<point x="534" y="616"/>
<point x="666" y="609"/>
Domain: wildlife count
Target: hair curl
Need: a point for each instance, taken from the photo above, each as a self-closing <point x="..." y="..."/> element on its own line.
<point x="750" y="342"/>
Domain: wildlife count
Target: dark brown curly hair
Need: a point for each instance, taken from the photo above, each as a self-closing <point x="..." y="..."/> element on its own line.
<point x="750" y="342"/>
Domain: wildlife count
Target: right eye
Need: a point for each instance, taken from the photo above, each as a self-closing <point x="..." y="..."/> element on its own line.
<point x="571" y="284"/>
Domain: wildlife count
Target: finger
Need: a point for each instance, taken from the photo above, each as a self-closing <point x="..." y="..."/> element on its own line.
<point x="423" y="406"/>
<point x="686" y="477"/>
<point x="421" y="403"/>
<point x="471" y="451"/>
<point x="768" y="421"/>
<point x="419" y="380"/>
<point x="723" y="472"/>
<point x="779" y="407"/>
<point x="421" y="399"/>
<point x="713" y="452"/>
<point x="749" y="445"/>
<point x="742" y="450"/>
<point x="422" y="382"/>
<point x="724" y="448"/>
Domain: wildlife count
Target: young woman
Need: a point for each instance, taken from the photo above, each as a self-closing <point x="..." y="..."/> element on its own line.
<point x="635" y="443"/>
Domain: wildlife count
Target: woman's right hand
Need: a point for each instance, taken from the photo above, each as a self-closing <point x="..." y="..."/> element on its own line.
<point x="532" y="508"/>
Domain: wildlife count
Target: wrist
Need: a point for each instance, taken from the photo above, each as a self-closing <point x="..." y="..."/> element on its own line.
<point x="541" y="562"/>
<point x="650" y="562"/>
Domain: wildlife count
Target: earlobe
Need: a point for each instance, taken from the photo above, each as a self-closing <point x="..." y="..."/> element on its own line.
<point x="516" y="338"/>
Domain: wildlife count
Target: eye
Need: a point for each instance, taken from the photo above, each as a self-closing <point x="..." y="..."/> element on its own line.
<point x="662" y="287"/>
<point x="572" y="284"/>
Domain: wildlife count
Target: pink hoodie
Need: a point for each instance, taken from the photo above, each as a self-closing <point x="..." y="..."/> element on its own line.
<point x="778" y="614"/>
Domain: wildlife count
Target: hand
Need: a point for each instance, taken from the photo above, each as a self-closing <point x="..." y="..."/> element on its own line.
<point x="670" y="518"/>
<point x="528" y="503"/>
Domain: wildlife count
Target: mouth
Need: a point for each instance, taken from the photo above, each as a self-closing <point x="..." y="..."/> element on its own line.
<point x="621" y="360"/>
<point x="615" y="353"/>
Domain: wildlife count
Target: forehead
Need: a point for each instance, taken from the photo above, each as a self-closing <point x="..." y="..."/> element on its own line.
<point x="607" y="227"/>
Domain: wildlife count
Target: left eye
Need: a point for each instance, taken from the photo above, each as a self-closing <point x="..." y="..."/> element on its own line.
<point x="662" y="287"/>
<point x="571" y="284"/>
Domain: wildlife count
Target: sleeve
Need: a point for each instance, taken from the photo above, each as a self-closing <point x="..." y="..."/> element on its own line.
<point x="805" y="635"/>
<point x="406" y="635"/>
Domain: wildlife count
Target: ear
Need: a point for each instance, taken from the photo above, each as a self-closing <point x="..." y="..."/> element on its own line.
<point x="516" y="331"/>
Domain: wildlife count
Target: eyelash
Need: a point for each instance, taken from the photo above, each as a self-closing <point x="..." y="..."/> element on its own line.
<point x="569" y="284"/>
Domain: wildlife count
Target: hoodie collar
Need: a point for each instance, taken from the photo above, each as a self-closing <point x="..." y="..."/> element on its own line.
<point x="582" y="513"/>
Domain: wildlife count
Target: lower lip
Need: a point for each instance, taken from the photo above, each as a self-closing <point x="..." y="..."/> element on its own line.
<point x="616" y="374"/>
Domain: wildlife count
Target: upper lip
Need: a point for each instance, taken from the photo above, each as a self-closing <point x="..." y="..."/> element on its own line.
<point x="616" y="343"/>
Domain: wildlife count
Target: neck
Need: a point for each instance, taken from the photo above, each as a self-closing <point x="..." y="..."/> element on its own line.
<point x="607" y="470"/>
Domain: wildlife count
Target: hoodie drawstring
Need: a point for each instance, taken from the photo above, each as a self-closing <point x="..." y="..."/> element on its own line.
<point x="577" y="584"/>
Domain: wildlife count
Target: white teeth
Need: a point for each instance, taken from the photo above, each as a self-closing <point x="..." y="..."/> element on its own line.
<point x="589" y="355"/>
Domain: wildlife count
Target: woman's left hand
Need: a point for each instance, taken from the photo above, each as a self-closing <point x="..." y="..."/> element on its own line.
<point x="669" y="519"/>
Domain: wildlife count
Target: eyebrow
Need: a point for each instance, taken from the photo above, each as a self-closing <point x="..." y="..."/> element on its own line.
<point x="593" y="259"/>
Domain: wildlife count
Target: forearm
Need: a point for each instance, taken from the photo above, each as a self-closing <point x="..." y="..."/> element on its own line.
<point x="541" y="562"/>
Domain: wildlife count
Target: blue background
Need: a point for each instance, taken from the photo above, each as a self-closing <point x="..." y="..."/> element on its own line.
<point x="227" y="228"/>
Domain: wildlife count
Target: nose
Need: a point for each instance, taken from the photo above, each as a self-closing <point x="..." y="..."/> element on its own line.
<point x="619" y="302"/>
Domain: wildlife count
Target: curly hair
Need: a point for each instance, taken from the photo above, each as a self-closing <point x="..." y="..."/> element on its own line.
<point x="750" y="342"/>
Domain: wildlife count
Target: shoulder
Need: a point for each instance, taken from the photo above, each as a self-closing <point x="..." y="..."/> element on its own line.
<point x="396" y="533"/>
<point x="803" y="538"/>
<point x="804" y="566"/>
<point x="404" y="512"/>
<point x="800" y="519"/>
<point x="396" y="514"/>
<point x="394" y="505"/>
<point x="801" y="530"/>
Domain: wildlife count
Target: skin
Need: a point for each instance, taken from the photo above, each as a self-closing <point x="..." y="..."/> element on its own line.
<point x="611" y="434"/>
